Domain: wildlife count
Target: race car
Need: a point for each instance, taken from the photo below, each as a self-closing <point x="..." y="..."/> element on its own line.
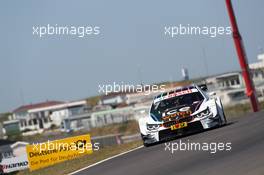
<point x="184" y="110"/>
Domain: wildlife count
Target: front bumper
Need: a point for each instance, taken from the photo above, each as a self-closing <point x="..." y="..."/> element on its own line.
<point x="195" y="125"/>
<point x="191" y="128"/>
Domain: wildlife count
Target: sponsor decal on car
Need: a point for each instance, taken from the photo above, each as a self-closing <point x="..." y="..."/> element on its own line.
<point x="179" y="126"/>
<point x="175" y="94"/>
<point x="177" y="114"/>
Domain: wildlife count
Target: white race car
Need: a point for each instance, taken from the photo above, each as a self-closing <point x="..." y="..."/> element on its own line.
<point x="185" y="110"/>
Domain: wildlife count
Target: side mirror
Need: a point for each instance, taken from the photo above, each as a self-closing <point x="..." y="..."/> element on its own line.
<point x="203" y="87"/>
<point x="211" y="93"/>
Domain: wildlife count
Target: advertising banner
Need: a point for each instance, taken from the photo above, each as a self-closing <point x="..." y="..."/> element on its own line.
<point x="48" y="153"/>
<point x="14" y="164"/>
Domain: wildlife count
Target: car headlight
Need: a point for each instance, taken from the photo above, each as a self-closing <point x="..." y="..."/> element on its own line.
<point x="205" y="112"/>
<point x="153" y="126"/>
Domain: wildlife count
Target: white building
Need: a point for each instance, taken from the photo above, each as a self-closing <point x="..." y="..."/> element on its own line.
<point x="36" y="118"/>
<point x="113" y="99"/>
<point x="33" y="120"/>
<point x="117" y="115"/>
<point x="258" y="65"/>
<point x="231" y="87"/>
<point x="134" y="98"/>
<point x="61" y="111"/>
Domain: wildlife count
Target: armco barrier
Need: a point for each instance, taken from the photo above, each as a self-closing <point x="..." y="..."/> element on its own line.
<point x="115" y="139"/>
<point x="108" y="140"/>
<point x="130" y="138"/>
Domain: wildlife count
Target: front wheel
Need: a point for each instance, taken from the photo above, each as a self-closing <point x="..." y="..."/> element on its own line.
<point x="145" y="143"/>
<point x="222" y="120"/>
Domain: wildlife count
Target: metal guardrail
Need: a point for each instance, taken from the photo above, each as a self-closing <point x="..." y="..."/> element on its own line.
<point x="131" y="138"/>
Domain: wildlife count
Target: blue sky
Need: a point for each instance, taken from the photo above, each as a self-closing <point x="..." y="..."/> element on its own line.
<point x="132" y="40"/>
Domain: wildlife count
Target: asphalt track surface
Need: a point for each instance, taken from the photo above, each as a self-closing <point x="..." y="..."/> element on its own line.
<point x="246" y="135"/>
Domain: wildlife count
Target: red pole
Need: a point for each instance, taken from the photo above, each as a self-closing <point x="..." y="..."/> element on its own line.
<point x="250" y="89"/>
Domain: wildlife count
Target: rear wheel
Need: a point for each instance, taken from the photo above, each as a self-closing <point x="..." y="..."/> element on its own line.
<point x="224" y="121"/>
<point x="222" y="118"/>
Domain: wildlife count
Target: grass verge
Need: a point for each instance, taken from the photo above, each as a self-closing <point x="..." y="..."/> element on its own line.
<point x="240" y="109"/>
<point x="126" y="128"/>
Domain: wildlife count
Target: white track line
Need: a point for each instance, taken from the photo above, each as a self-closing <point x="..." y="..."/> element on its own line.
<point x="109" y="158"/>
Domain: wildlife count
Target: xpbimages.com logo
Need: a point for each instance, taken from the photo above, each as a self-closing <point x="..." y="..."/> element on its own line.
<point x="70" y="30"/>
<point x="130" y="88"/>
<point x="53" y="147"/>
<point x="212" y="147"/>
<point x="184" y="30"/>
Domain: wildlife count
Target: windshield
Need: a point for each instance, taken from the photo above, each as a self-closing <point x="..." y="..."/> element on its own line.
<point x="160" y="108"/>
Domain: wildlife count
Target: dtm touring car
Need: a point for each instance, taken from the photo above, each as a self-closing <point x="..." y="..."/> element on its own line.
<point x="184" y="110"/>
